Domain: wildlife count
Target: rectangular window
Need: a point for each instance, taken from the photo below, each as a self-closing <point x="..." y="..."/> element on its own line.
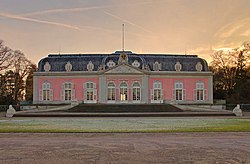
<point x="111" y="93"/>
<point x="67" y="94"/>
<point x="157" y="94"/>
<point x="46" y="96"/>
<point x="178" y="94"/>
<point x="199" y="94"/>
<point x="136" y="94"/>
<point x="90" y="95"/>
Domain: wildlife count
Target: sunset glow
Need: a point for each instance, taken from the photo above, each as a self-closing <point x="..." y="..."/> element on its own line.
<point x="151" y="26"/>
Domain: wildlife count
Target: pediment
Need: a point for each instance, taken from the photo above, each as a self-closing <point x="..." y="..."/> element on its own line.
<point x="123" y="69"/>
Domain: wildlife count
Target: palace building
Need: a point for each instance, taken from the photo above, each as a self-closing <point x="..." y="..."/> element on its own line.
<point x="123" y="77"/>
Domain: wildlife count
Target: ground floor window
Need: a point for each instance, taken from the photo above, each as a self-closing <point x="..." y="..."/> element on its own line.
<point x="90" y="91"/>
<point x="111" y="91"/>
<point x="123" y="91"/>
<point x="68" y="91"/>
<point x="46" y="93"/>
<point x="199" y="91"/>
<point x="136" y="91"/>
<point x="67" y="95"/>
<point x="178" y="91"/>
<point x="157" y="91"/>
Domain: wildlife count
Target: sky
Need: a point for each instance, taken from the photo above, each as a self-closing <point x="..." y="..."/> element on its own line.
<point x="41" y="27"/>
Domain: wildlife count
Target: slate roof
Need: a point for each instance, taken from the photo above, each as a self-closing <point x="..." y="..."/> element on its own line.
<point x="79" y="61"/>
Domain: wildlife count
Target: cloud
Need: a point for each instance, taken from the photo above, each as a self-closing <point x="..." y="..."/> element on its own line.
<point x="127" y="21"/>
<point x="64" y="10"/>
<point x="6" y="15"/>
<point x="246" y="33"/>
<point x="232" y="28"/>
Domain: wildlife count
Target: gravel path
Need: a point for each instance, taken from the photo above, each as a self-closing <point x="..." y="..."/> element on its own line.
<point x="125" y="148"/>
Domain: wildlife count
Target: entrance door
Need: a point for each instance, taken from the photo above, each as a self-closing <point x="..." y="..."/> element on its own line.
<point x="123" y="92"/>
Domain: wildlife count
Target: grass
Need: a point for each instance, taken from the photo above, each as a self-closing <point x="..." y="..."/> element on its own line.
<point x="155" y="125"/>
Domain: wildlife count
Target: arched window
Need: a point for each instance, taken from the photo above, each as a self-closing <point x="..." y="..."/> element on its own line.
<point x="68" y="92"/>
<point x="178" y="91"/>
<point x="136" y="91"/>
<point x="157" y="91"/>
<point x="199" y="91"/>
<point x="90" y="91"/>
<point x="123" y="91"/>
<point x="111" y="91"/>
<point x="46" y="93"/>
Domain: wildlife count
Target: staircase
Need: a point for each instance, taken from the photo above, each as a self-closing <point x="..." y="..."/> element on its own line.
<point x="123" y="108"/>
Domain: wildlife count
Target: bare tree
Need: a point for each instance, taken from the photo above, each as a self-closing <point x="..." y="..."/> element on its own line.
<point x="6" y="55"/>
<point x="230" y="68"/>
<point x="21" y="68"/>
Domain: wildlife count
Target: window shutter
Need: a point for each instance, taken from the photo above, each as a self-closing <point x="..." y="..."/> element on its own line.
<point x="95" y="94"/>
<point x="161" y="94"/>
<point x="174" y="94"/>
<point x="51" y="96"/>
<point x="184" y="94"/>
<point x="118" y="94"/>
<point x="152" y="94"/>
<point x="195" y="95"/>
<point x="85" y="91"/>
<point x="40" y="95"/>
<point x="62" y="94"/>
<point x="205" y="95"/>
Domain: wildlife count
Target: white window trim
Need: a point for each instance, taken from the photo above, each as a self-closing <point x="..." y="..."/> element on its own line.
<point x="46" y="86"/>
<point x="72" y="92"/>
<point x="136" y="101"/>
<point x="161" y="92"/>
<point x="123" y="101"/>
<point x="90" y="89"/>
<point x="111" y="101"/>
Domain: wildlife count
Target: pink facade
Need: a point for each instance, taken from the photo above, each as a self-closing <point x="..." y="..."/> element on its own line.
<point x="168" y="86"/>
<point x="123" y="77"/>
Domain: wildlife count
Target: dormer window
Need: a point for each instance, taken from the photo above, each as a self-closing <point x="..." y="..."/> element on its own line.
<point x="157" y="66"/>
<point x="178" y="66"/>
<point x="90" y="66"/>
<point x="136" y="64"/>
<point x="198" y="67"/>
<point x="111" y="63"/>
<point x="47" y="67"/>
<point x="68" y="67"/>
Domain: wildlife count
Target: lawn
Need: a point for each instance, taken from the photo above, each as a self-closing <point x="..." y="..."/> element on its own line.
<point x="41" y="125"/>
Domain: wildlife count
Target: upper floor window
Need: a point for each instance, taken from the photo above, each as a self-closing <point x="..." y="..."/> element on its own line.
<point x="198" y="67"/>
<point x="136" y="64"/>
<point x="68" y="66"/>
<point x="157" y="66"/>
<point x="111" y="63"/>
<point x="90" y="66"/>
<point x="47" y="67"/>
<point x="178" y="66"/>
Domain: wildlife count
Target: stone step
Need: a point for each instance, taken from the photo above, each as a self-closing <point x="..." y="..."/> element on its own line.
<point x="123" y="108"/>
<point x="134" y="114"/>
